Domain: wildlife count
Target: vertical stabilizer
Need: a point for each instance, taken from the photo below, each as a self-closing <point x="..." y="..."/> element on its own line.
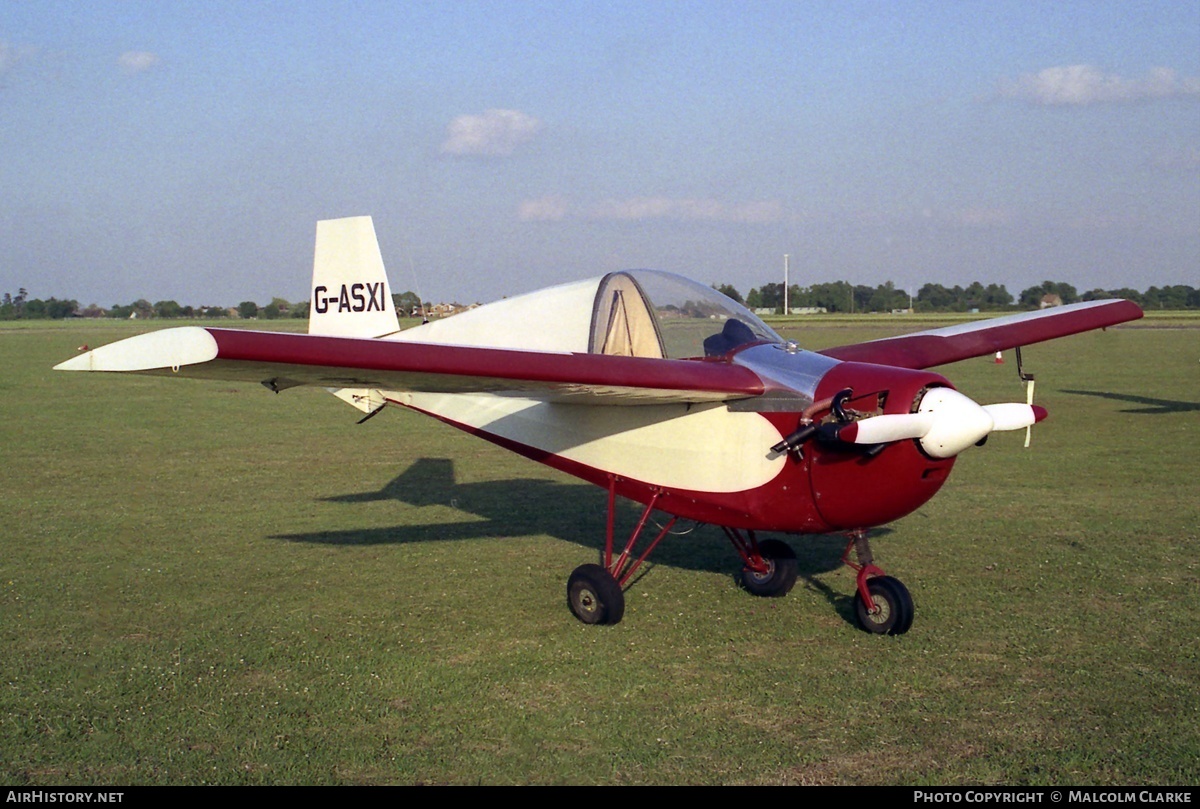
<point x="350" y="292"/>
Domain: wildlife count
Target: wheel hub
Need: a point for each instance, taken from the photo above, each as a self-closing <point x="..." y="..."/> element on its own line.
<point x="879" y="611"/>
<point x="587" y="601"/>
<point x="765" y="574"/>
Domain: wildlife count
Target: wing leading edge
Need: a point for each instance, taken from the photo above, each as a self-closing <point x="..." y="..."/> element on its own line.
<point x="281" y="361"/>
<point x="926" y="349"/>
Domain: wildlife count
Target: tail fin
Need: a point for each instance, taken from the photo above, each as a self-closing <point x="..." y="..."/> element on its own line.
<point x="350" y="292"/>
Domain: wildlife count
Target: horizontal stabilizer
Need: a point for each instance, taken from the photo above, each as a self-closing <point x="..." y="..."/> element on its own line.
<point x="367" y="400"/>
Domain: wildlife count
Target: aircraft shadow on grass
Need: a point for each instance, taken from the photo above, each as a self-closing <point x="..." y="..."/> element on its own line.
<point x="1153" y="407"/>
<point x="570" y="512"/>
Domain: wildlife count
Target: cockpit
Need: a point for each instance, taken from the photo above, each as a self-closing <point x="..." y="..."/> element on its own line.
<point x="647" y="313"/>
<point x="632" y="313"/>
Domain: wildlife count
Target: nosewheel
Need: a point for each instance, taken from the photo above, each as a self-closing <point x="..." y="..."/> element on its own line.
<point x="594" y="595"/>
<point x="779" y="575"/>
<point x="891" y="612"/>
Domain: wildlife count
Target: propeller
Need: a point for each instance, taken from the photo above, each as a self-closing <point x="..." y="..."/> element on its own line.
<point x="946" y="423"/>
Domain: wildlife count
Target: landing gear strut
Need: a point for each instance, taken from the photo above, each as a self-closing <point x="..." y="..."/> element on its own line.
<point x="882" y="604"/>
<point x="595" y="593"/>
<point x="770" y="566"/>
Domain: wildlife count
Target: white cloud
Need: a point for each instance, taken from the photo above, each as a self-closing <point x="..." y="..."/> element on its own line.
<point x="981" y="217"/>
<point x="1078" y="85"/>
<point x="137" y="61"/>
<point x="638" y="209"/>
<point x="688" y="210"/>
<point x="1187" y="159"/>
<point x="495" y="133"/>
<point x="546" y="209"/>
<point x="13" y="55"/>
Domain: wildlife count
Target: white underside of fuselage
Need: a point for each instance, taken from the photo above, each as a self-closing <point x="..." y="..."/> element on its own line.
<point x="702" y="448"/>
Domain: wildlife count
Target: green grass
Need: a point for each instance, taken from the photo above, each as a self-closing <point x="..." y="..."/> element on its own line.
<point x="208" y="583"/>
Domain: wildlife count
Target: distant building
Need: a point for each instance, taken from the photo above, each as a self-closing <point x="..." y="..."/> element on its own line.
<point x="447" y="309"/>
<point x="795" y="310"/>
<point x="1048" y="300"/>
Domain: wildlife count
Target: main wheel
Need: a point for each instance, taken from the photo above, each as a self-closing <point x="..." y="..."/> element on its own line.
<point x="779" y="577"/>
<point x="893" y="613"/>
<point x="594" y="595"/>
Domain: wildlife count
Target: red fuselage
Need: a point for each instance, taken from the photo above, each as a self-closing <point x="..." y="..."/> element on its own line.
<point x="820" y="489"/>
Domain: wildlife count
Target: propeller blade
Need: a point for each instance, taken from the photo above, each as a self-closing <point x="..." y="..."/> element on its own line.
<point x="1014" y="416"/>
<point x="1029" y="401"/>
<point x="945" y="424"/>
<point x="885" y="429"/>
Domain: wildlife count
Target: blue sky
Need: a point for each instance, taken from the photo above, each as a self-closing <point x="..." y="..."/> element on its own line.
<point x="185" y="150"/>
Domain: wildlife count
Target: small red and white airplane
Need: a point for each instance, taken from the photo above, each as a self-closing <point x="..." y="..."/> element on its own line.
<point x="658" y="389"/>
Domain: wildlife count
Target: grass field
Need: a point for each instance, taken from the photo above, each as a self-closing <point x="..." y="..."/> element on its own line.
<point x="208" y="583"/>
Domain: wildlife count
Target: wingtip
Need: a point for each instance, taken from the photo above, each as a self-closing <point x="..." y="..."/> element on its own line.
<point x="80" y="362"/>
<point x="168" y="348"/>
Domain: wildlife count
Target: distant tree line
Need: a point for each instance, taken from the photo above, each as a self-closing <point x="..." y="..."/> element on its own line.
<point x="22" y="307"/>
<point x="834" y="296"/>
<point x="842" y="296"/>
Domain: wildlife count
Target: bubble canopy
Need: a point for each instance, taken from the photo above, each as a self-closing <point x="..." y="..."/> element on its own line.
<point x="631" y="313"/>
<point x="649" y="313"/>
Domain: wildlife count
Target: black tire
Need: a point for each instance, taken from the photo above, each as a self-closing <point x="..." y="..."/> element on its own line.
<point x="895" y="607"/>
<point x="780" y="577"/>
<point x="594" y="595"/>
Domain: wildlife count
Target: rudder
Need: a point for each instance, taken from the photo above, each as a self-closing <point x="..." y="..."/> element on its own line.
<point x="351" y="296"/>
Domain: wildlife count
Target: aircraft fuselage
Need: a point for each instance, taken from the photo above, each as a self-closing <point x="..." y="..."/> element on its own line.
<point x="713" y="462"/>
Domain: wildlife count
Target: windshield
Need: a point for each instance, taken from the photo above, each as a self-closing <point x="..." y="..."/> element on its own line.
<point x="648" y="313"/>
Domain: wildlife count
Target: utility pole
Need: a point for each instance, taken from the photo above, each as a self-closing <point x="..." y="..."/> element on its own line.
<point x="785" y="283"/>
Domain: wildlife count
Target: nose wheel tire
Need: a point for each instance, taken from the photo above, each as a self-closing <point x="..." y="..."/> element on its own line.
<point x="892" y="611"/>
<point x="779" y="577"/>
<point x="594" y="595"/>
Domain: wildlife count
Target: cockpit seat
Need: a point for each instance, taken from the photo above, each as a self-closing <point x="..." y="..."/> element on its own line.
<point x="733" y="334"/>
